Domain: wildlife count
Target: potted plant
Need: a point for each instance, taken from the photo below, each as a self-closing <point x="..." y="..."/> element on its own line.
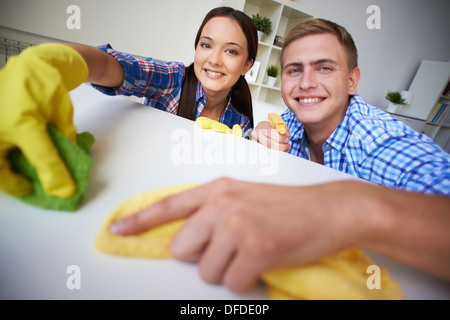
<point x="396" y="100"/>
<point x="272" y="73"/>
<point x="263" y="25"/>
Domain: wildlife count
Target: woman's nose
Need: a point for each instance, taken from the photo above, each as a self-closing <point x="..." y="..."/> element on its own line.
<point x="214" y="57"/>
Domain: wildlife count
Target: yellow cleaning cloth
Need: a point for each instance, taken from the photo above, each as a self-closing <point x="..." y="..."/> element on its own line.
<point x="337" y="277"/>
<point x="150" y="244"/>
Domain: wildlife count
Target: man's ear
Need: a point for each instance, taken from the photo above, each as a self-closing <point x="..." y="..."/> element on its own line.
<point x="353" y="80"/>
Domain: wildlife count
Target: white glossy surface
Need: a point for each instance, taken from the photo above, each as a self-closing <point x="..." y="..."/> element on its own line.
<point x="137" y="149"/>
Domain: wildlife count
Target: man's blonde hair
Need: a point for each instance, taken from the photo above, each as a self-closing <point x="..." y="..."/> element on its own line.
<point x="322" y="26"/>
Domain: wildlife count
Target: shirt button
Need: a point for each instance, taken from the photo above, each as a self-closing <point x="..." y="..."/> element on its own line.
<point x="326" y="146"/>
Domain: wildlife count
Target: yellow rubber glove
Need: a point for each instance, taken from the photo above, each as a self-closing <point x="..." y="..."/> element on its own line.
<point x="34" y="91"/>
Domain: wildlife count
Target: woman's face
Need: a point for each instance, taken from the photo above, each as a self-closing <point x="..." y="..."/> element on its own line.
<point x="221" y="55"/>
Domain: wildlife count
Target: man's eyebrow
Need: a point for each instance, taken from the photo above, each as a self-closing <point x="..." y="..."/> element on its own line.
<point x="320" y="61"/>
<point x="293" y="64"/>
<point x="313" y="63"/>
<point x="229" y="43"/>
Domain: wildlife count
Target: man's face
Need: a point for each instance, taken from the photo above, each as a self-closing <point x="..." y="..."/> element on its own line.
<point x="316" y="81"/>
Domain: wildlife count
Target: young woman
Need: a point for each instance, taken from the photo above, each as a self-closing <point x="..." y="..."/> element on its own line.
<point x="35" y="85"/>
<point x="213" y="85"/>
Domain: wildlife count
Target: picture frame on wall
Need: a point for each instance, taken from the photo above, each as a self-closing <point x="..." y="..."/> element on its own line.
<point x="252" y="74"/>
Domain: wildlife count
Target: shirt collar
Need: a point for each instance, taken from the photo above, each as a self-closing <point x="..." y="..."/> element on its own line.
<point x="339" y="136"/>
<point x="200" y="100"/>
<point x="298" y="133"/>
<point x="296" y="129"/>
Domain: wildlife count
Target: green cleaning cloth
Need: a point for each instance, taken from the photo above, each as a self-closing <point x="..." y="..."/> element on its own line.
<point x="77" y="159"/>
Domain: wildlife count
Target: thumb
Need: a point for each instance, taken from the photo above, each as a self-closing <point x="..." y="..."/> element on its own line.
<point x="53" y="174"/>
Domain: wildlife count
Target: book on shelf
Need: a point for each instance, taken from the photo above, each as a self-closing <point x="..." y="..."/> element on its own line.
<point x="444" y="120"/>
<point x="434" y="112"/>
<point x="440" y="114"/>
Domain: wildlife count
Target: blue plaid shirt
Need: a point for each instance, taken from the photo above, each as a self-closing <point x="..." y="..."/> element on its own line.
<point x="160" y="84"/>
<point x="374" y="146"/>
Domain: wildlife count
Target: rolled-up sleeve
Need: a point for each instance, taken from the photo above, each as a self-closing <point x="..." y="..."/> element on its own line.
<point x="146" y="78"/>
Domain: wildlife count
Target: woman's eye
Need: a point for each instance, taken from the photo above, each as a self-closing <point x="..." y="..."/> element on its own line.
<point x="232" y="51"/>
<point x="205" y="45"/>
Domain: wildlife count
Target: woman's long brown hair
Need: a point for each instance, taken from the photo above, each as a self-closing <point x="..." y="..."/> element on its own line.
<point x="241" y="97"/>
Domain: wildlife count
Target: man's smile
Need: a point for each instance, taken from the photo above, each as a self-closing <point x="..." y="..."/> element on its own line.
<point x="309" y="100"/>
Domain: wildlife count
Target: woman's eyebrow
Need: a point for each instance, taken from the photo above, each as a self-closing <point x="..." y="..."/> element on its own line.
<point x="234" y="44"/>
<point x="229" y="42"/>
<point x="207" y="37"/>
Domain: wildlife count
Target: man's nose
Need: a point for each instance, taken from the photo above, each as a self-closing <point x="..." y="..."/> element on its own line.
<point x="308" y="79"/>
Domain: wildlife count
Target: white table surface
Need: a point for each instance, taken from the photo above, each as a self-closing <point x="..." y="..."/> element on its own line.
<point x="137" y="149"/>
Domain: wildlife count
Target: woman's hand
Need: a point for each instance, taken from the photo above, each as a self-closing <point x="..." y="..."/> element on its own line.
<point x="34" y="92"/>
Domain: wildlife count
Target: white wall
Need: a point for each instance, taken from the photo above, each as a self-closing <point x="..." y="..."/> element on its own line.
<point x="411" y="31"/>
<point x="164" y="29"/>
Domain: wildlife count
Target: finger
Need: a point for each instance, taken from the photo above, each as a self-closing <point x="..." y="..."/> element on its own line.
<point x="280" y="146"/>
<point x="195" y="236"/>
<point x="273" y="133"/>
<point x="270" y="137"/>
<point x="62" y="117"/>
<point x="169" y="209"/>
<point x="276" y="137"/>
<point x="10" y="181"/>
<point x="273" y="140"/>
<point x="53" y="174"/>
<point x="261" y="135"/>
<point x="218" y="254"/>
<point x="243" y="273"/>
<point x="260" y="129"/>
<point x="288" y="133"/>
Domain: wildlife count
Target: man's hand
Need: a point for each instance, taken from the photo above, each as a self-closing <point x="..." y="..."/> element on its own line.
<point x="237" y="230"/>
<point x="270" y="137"/>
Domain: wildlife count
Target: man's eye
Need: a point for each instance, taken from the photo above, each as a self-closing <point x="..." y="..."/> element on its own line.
<point x="325" y="68"/>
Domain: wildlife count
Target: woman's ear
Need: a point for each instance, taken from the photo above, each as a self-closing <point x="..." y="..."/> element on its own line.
<point x="248" y="65"/>
<point x="353" y="80"/>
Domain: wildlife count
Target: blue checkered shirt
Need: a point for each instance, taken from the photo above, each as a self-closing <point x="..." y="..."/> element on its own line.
<point x="372" y="145"/>
<point x="159" y="83"/>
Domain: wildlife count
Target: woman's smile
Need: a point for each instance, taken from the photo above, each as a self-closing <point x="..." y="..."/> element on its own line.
<point x="213" y="74"/>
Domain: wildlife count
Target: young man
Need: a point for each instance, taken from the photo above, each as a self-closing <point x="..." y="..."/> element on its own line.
<point x="329" y="123"/>
<point x="236" y="234"/>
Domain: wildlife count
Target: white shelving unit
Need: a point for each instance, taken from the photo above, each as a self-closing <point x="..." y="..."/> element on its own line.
<point x="284" y="14"/>
<point x="428" y="86"/>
